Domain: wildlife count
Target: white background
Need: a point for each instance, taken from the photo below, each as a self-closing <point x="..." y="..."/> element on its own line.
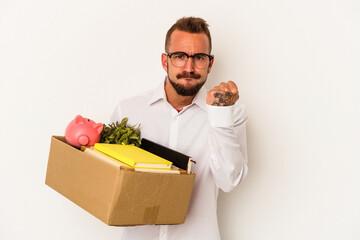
<point x="296" y="64"/>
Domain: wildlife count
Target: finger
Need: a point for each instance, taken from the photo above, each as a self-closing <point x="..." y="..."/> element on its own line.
<point x="233" y="88"/>
<point x="224" y="87"/>
<point x="217" y="88"/>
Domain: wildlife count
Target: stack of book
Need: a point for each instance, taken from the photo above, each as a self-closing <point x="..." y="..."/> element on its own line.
<point x="150" y="157"/>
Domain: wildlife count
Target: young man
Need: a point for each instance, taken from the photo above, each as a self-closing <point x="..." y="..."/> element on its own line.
<point x="208" y="126"/>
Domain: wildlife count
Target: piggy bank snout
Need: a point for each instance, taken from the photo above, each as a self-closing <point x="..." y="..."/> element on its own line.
<point x="84" y="140"/>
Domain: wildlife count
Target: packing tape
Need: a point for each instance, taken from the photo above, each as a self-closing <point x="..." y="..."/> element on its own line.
<point x="151" y="214"/>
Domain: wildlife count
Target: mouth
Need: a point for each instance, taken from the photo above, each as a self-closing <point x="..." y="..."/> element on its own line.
<point x="187" y="80"/>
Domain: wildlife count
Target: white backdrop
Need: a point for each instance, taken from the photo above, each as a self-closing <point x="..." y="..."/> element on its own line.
<point x="296" y="64"/>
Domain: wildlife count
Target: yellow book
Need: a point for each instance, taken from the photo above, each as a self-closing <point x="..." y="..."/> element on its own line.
<point x="133" y="156"/>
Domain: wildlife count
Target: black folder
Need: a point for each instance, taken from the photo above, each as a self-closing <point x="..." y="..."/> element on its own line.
<point x="178" y="159"/>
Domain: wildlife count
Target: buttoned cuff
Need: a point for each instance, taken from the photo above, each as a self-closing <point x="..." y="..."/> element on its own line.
<point x="221" y="116"/>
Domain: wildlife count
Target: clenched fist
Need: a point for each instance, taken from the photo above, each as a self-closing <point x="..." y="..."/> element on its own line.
<point x="225" y="94"/>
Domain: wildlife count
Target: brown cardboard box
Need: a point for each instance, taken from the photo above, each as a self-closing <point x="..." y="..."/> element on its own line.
<point x="115" y="195"/>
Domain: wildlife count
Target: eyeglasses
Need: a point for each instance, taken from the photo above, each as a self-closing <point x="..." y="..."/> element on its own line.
<point x="200" y="60"/>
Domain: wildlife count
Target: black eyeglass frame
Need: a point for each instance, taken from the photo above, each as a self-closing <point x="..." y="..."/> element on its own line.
<point x="190" y="56"/>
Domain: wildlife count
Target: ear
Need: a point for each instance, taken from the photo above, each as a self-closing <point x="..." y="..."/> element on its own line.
<point x="164" y="61"/>
<point x="211" y="63"/>
<point x="79" y="119"/>
<point x="99" y="127"/>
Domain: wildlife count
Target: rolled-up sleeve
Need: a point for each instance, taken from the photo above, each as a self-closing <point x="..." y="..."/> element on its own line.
<point x="227" y="143"/>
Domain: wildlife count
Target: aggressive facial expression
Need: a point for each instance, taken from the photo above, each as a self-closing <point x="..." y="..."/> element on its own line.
<point x="187" y="80"/>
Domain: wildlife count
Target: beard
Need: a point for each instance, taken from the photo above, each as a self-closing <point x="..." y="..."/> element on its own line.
<point x="187" y="91"/>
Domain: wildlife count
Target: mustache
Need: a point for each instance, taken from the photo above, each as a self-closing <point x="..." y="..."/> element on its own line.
<point x="188" y="75"/>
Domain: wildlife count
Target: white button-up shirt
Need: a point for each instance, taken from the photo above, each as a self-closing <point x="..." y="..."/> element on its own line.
<point x="214" y="136"/>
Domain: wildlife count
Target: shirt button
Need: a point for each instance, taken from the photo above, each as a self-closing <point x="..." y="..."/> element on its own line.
<point x="174" y="118"/>
<point x="163" y="234"/>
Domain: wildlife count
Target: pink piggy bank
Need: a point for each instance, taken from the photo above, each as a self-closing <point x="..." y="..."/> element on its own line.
<point x="83" y="132"/>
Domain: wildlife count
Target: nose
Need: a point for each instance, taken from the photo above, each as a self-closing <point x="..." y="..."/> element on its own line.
<point x="189" y="66"/>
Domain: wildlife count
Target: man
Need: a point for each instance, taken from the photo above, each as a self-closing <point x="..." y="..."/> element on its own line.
<point x="208" y="126"/>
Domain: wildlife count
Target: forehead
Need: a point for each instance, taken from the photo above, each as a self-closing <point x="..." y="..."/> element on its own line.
<point x="189" y="42"/>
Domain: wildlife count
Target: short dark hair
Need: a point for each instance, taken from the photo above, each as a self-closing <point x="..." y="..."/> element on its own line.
<point x="190" y="25"/>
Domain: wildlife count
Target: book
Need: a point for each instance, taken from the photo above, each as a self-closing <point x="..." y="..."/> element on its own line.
<point x="133" y="156"/>
<point x="173" y="170"/>
<point x="95" y="153"/>
<point x="178" y="159"/>
<point x="105" y="157"/>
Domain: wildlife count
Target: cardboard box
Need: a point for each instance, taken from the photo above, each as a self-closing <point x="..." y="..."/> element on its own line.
<point x="115" y="195"/>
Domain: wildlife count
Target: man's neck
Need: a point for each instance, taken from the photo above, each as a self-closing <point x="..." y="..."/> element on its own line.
<point x="176" y="100"/>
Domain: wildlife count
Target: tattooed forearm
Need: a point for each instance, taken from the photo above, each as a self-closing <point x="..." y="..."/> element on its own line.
<point x="224" y="99"/>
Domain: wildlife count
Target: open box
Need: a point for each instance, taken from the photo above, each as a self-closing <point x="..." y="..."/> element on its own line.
<point x="116" y="195"/>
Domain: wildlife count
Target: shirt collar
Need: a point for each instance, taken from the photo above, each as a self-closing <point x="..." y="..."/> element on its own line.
<point x="159" y="93"/>
<point x="200" y="98"/>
